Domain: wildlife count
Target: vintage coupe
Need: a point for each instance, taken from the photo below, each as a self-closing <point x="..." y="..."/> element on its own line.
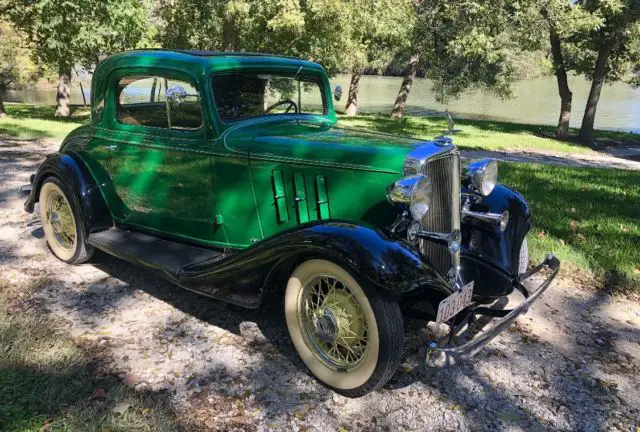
<point x="227" y="174"/>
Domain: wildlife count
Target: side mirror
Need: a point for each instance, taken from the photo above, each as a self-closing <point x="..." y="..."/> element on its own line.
<point x="337" y="93"/>
<point x="176" y="95"/>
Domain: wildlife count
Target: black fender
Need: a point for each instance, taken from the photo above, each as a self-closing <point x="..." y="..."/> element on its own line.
<point x="71" y="170"/>
<point x="388" y="265"/>
<point x="491" y="256"/>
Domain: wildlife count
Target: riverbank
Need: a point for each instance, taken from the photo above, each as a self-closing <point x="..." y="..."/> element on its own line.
<point x="38" y="121"/>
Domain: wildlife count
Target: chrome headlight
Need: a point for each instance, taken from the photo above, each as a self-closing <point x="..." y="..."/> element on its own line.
<point x="481" y="176"/>
<point x="413" y="193"/>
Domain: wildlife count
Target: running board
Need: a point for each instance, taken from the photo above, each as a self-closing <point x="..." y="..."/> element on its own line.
<point x="165" y="256"/>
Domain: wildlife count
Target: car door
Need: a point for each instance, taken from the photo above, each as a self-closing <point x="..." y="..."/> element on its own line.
<point x="161" y="167"/>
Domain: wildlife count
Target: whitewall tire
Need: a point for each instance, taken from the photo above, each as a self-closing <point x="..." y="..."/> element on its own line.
<point x="350" y="339"/>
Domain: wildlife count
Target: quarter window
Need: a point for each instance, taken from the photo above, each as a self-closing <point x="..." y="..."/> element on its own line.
<point x="155" y="101"/>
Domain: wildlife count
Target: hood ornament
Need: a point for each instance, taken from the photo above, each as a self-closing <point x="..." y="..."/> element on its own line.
<point x="443" y="140"/>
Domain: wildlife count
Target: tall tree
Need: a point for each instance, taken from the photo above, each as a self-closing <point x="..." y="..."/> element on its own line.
<point x="378" y="28"/>
<point x="405" y="86"/>
<point x="462" y="44"/>
<point x="614" y="42"/>
<point x="68" y="32"/>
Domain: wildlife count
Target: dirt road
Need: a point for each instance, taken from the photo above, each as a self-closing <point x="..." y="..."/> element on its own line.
<point x="571" y="363"/>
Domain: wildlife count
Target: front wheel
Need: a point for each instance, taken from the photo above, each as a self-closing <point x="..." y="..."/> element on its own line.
<point x="349" y="339"/>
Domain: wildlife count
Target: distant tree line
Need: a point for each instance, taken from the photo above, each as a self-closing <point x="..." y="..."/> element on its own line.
<point x="458" y="44"/>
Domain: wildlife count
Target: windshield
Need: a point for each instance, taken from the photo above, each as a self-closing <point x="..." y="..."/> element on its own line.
<point x="242" y="95"/>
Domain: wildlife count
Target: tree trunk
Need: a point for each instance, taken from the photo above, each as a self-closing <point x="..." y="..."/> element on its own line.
<point x="599" y="73"/>
<point x="3" y="112"/>
<point x="229" y="32"/>
<point x="63" y="94"/>
<point x="563" y="85"/>
<point x="405" y="87"/>
<point x="352" y="99"/>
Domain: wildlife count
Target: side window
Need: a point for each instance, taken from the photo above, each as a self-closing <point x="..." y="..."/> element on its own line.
<point x="156" y="101"/>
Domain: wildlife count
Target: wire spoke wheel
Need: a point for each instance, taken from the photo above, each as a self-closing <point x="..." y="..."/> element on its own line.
<point x="60" y="221"/>
<point x="333" y="322"/>
<point x="349" y="338"/>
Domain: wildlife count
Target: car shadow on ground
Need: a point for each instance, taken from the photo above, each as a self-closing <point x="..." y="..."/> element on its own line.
<point x="446" y="384"/>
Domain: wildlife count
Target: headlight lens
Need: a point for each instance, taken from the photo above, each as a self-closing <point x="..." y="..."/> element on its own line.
<point x="412" y="193"/>
<point x="481" y="176"/>
<point x="421" y="198"/>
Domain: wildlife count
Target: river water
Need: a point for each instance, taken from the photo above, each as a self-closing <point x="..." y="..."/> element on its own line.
<point x="535" y="101"/>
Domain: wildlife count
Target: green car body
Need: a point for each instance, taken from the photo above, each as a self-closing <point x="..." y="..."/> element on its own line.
<point x="216" y="184"/>
<point x="207" y="184"/>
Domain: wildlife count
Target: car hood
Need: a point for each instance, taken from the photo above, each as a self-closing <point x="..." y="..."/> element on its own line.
<point x="322" y="143"/>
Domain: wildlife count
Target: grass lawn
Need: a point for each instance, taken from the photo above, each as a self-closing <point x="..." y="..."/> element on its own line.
<point x="49" y="382"/>
<point x="485" y="134"/>
<point x="588" y="217"/>
<point x="38" y="121"/>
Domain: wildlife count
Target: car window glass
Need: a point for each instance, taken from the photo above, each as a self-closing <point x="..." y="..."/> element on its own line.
<point x="142" y="101"/>
<point x="244" y="95"/>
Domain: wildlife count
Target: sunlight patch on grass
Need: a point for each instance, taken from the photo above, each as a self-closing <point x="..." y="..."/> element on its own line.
<point x="589" y="216"/>
<point x="481" y="134"/>
<point x="36" y="121"/>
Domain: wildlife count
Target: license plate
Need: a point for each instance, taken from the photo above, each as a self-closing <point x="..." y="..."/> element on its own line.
<point x="453" y="304"/>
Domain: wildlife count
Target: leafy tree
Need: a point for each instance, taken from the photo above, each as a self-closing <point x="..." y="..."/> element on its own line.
<point x="375" y="32"/>
<point x="67" y="32"/>
<point x="339" y="34"/>
<point x="463" y="44"/>
<point x="609" y="52"/>
<point x="16" y="67"/>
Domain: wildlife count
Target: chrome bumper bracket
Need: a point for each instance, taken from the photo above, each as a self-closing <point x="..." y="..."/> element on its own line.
<point x="439" y="355"/>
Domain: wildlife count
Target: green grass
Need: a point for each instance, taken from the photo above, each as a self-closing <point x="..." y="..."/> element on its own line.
<point x="37" y="121"/>
<point x="485" y="134"/>
<point x="589" y="217"/>
<point x="46" y="378"/>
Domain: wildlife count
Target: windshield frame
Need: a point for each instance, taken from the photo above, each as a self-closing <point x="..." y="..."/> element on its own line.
<point x="318" y="76"/>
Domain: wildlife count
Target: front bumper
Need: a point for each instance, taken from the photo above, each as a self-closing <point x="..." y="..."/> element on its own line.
<point x="441" y="354"/>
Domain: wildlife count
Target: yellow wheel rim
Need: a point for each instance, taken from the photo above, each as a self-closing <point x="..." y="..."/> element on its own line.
<point x="60" y="221"/>
<point x="333" y="323"/>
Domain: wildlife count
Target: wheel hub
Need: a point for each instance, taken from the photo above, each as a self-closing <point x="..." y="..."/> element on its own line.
<point x="325" y="325"/>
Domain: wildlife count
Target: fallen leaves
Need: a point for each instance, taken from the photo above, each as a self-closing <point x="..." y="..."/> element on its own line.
<point x="573" y="225"/>
<point x="131" y="380"/>
<point x="99" y="393"/>
<point x="121" y="408"/>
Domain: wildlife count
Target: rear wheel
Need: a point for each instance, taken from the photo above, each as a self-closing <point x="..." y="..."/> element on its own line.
<point x="62" y="222"/>
<point x="349" y="339"/>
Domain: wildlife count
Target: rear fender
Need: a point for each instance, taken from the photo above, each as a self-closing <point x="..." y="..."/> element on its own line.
<point x="73" y="173"/>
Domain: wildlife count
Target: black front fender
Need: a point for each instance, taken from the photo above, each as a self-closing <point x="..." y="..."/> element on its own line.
<point x="388" y="265"/>
<point x="73" y="173"/>
<point x="490" y="256"/>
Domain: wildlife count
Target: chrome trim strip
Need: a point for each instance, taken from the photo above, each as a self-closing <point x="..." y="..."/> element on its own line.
<point x="416" y="160"/>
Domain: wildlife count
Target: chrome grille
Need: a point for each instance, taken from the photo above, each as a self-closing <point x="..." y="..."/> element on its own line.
<point x="444" y="214"/>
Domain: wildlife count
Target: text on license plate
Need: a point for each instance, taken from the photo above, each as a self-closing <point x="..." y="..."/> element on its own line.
<point x="453" y="304"/>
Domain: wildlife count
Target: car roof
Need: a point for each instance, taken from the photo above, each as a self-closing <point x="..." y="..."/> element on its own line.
<point x="213" y="60"/>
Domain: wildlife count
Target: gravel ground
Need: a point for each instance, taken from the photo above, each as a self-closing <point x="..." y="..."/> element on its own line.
<point x="571" y="363"/>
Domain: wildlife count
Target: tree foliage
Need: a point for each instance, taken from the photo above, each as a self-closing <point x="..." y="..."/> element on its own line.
<point x="17" y="69"/>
